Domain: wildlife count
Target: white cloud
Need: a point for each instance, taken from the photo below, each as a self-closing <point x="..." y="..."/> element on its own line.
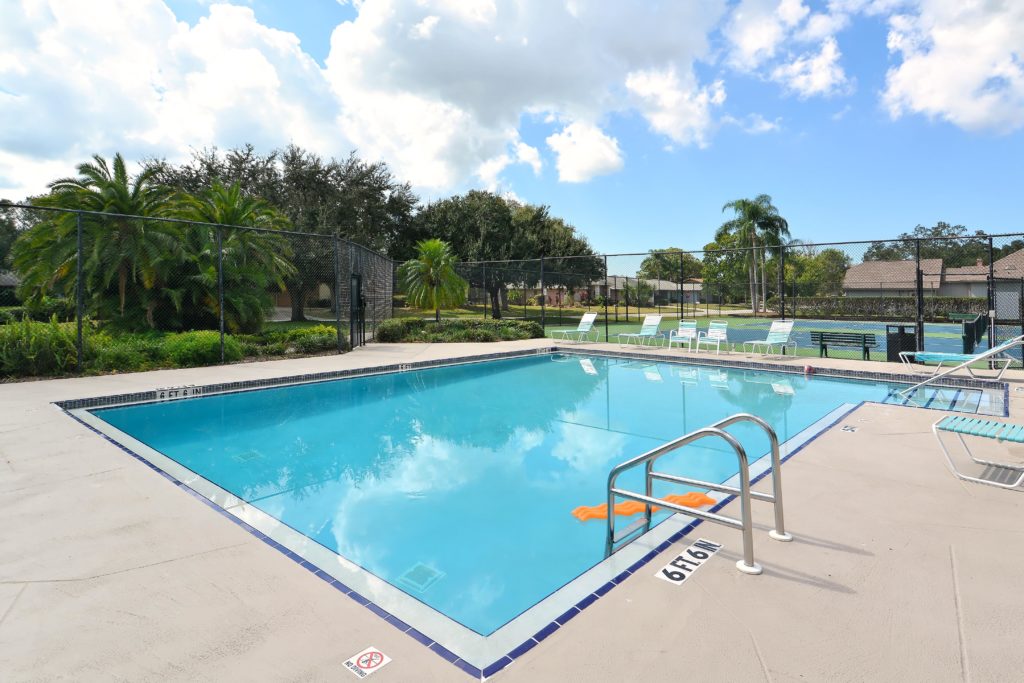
<point x="490" y="63"/>
<point x="678" y="108"/>
<point x="766" y="36"/>
<point x="814" y="73"/>
<point x="757" y="28"/>
<point x="583" y="151"/>
<point x="961" y="62"/>
<point x="436" y="88"/>
<point x="425" y="29"/>
<point x="85" y="78"/>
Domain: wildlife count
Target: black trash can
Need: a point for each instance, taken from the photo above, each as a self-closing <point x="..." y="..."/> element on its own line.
<point x="899" y="338"/>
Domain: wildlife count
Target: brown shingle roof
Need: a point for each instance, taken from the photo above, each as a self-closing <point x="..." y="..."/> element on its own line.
<point x="893" y="274"/>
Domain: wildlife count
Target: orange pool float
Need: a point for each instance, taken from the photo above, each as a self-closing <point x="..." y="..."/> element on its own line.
<point x="693" y="499"/>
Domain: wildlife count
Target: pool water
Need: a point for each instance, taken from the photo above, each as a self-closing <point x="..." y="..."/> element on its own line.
<point x="455" y="484"/>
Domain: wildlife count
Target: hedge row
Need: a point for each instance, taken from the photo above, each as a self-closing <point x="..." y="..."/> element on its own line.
<point x="30" y="348"/>
<point x="420" y="330"/>
<point x="879" y="308"/>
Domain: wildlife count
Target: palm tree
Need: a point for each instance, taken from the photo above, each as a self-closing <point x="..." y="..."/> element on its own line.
<point x="254" y="261"/>
<point x="430" y="279"/>
<point x="121" y="248"/>
<point x="756" y="223"/>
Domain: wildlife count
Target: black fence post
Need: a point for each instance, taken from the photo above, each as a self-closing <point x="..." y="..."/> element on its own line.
<point x="220" y="289"/>
<point x="79" y="294"/>
<point x="682" y="292"/>
<point x="920" y="297"/>
<point x="337" y="291"/>
<point x="782" y="282"/>
<point x="543" y="296"/>
<point x="991" y="296"/>
<point x="483" y="277"/>
<point x="608" y="294"/>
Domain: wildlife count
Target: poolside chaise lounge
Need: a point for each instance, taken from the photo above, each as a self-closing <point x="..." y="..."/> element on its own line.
<point x="992" y="353"/>
<point x="778" y="336"/>
<point x="686" y="332"/>
<point x="582" y="330"/>
<point x="648" y="331"/>
<point x="965" y="359"/>
<point x="1003" y="475"/>
<point x="717" y="334"/>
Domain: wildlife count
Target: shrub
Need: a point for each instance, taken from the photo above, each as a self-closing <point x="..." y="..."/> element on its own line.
<point x="126" y="352"/>
<point x="419" y="330"/>
<point x="202" y="347"/>
<point x="879" y="308"/>
<point x="399" y="329"/>
<point x="32" y="348"/>
<point x="314" y="339"/>
<point x="532" y="301"/>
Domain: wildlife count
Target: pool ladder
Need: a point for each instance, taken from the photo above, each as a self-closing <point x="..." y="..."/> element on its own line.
<point x="744" y="523"/>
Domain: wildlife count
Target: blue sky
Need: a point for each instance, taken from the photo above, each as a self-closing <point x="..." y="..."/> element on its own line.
<point x="635" y="121"/>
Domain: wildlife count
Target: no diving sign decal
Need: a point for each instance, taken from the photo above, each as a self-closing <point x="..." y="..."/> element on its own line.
<point x="687" y="562"/>
<point x="367" y="662"/>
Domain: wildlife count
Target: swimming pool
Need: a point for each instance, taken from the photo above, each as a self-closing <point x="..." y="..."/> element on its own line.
<point x="444" y="495"/>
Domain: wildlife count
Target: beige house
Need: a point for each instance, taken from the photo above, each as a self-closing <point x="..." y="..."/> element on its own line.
<point x="891" y="278"/>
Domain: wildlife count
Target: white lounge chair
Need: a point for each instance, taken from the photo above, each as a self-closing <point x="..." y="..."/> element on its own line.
<point x="717" y="334"/>
<point x="648" y="331"/>
<point x="1003" y="475"/>
<point x="778" y="336"/>
<point x="992" y="355"/>
<point x="582" y="330"/>
<point x="685" y="333"/>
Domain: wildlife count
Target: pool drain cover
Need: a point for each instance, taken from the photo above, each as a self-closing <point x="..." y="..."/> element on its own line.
<point x="420" y="577"/>
<point x="247" y="456"/>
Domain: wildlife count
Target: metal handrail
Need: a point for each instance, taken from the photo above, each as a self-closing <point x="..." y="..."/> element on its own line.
<point x="745" y="524"/>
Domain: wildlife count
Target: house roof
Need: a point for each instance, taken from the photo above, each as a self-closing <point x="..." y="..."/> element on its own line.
<point x="893" y="274"/>
<point x="9" y="279"/>
<point x="618" y="281"/>
<point x="1011" y="265"/>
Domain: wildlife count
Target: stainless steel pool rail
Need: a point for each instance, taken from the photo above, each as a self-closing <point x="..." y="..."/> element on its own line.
<point x="747" y="565"/>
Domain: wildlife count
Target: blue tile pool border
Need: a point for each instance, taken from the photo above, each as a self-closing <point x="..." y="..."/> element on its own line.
<point x="710" y="361"/>
<point x="502" y="662"/>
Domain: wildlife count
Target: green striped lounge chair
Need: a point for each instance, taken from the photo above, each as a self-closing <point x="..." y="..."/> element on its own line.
<point x="1000" y="363"/>
<point x="648" y="331"/>
<point x="779" y="336"/>
<point x="1003" y="475"/>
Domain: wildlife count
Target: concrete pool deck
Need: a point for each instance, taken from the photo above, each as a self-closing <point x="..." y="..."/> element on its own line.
<point x="899" y="571"/>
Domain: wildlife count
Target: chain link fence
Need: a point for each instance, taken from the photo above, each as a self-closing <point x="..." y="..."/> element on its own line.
<point x="132" y="290"/>
<point x="868" y="300"/>
<point x="126" y="292"/>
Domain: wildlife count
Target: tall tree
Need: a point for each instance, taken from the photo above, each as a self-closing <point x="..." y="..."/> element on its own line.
<point x="758" y="225"/>
<point x="122" y="252"/>
<point x="670" y="264"/>
<point x="254" y="261"/>
<point x="430" y="279"/>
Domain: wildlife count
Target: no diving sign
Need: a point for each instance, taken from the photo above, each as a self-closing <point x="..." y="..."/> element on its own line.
<point x="367" y="662"/>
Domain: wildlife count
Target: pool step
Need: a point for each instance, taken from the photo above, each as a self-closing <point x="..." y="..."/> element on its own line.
<point x="940" y="398"/>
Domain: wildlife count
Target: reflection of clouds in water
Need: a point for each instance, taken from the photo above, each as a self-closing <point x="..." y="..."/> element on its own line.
<point x="586" y="449"/>
<point x="480" y="594"/>
<point x="425" y="466"/>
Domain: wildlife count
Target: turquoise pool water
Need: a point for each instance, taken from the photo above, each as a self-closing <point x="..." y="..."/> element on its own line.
<point x="456" y="484"/>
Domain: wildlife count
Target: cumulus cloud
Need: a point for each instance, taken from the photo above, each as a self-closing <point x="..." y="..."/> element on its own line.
<point x="437" y="88"/>
<point x="762" y="33"/>
<point x="961" y="62"/>
<point x="814" y="73"/>
<point x="678" y="108"/>
<point x="583" y="151"/>
<point x="84" y="78"/>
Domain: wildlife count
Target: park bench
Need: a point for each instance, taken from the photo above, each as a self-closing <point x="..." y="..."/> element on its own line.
<point x="862" y="341"/>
